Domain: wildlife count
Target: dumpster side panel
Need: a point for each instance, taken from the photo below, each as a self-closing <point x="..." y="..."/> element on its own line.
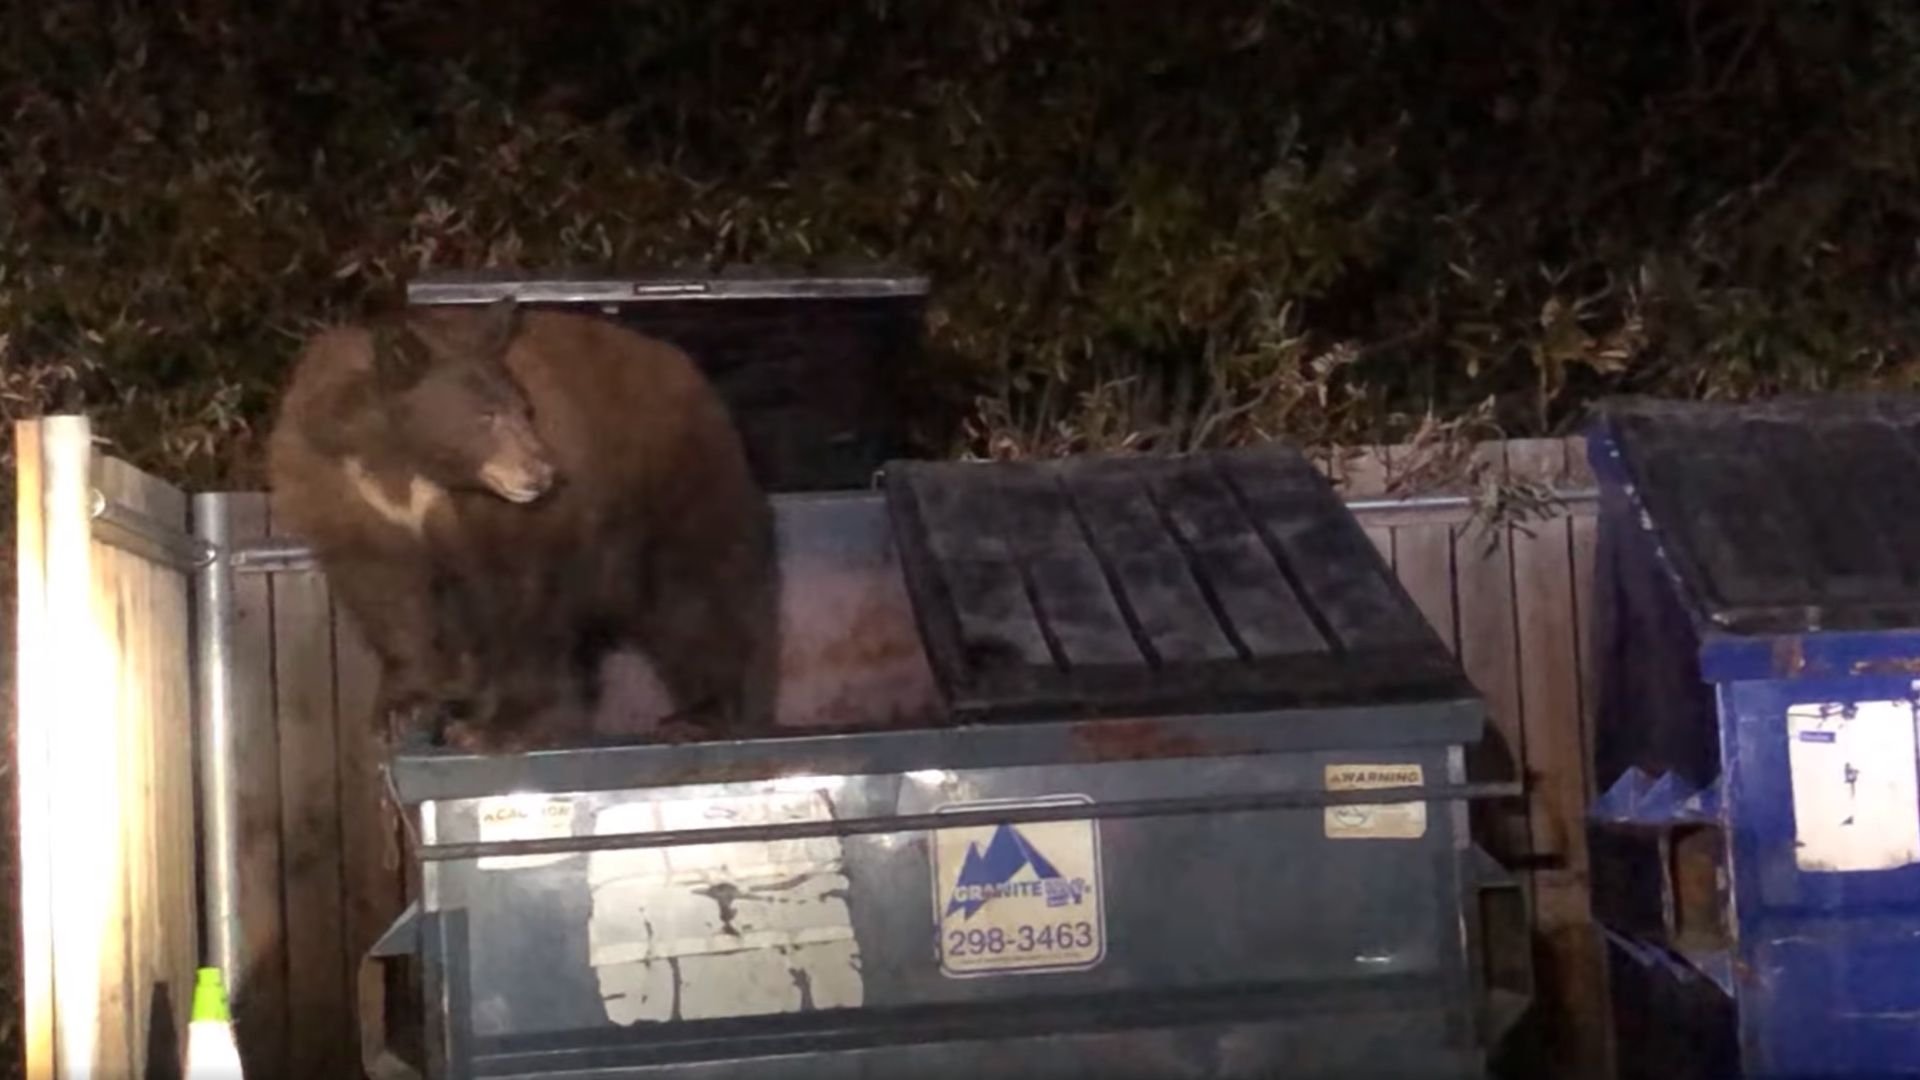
<point x="1670" y="1023"/>
<point x="1827" y="869"/>
<point x="1653" y="714"/>
<point x="1249" y="920"/>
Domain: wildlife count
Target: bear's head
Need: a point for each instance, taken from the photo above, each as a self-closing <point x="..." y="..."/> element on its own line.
<point x="456" y="412"/>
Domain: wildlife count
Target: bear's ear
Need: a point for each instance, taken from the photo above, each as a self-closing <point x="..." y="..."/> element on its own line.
<point x="466" y="335"/>
<point x="400" y="358"/>
<point x="496" y="325"/>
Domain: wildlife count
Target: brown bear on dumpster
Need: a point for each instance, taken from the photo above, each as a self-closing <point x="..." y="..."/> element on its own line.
<point x="500" y="496"/>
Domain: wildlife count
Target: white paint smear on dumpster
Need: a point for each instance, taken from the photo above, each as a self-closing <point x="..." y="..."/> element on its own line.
<point x="1856" y="803"/>
<point x="718" y="930"/>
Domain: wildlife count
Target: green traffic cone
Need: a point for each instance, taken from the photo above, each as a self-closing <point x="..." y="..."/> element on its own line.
<point x="210" y="997"/>
<point x="211" y="1052"/>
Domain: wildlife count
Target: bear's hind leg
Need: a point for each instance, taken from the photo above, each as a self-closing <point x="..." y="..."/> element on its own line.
<point x="535" y="695"/>
<point x="717" y="658"/>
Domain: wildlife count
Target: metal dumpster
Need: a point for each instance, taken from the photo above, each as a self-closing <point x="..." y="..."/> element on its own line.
<point x="1119" y="817"/>
<point x="1756" y="849"/>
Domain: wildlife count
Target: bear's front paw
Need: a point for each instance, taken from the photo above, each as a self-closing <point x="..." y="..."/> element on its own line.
<point x="466" y="738"/>
<point x="461" y="676"/>
<point x="417" y="721"/>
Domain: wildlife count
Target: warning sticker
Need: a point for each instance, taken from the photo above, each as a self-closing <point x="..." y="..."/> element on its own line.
<point x="523" y="817"/>
<point x="1018" y="899"/>
<point x="1390" y="821"/>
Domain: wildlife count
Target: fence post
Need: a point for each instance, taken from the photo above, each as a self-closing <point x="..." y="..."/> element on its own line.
<point x="219" y="812"/>
<point x="69" y="775"/>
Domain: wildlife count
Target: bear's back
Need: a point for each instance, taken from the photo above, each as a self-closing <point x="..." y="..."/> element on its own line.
<point x="623" y="409"/>
<point x="323" y="414"/>
<point x="319" y="388"/>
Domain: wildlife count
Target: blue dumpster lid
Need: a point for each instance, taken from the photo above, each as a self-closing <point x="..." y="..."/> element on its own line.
<point x="1780" y="519"/>
<point x="1136" y="586"/>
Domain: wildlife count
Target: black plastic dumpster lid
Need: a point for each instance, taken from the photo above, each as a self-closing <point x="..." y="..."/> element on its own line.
<point x="818" y="367"/>
<point x="1785" y="516"/>
<point x="1121" y="586"/>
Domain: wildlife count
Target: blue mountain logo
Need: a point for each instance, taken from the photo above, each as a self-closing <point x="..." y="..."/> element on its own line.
<point x="989" y="875"/>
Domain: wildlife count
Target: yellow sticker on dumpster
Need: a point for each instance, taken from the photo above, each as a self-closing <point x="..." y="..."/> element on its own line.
<point x="523" y="817"/>
<point x="1371" y="821"/>
<point x="1018" y="898"/>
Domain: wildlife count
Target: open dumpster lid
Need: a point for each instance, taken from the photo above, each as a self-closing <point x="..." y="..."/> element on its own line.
<point x="1132" y="586"/>
<point x="818" y="367"/>
<point x="1786" y="516"/>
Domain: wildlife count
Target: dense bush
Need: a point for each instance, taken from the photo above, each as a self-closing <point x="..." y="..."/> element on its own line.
<point x="1208" y="220"/>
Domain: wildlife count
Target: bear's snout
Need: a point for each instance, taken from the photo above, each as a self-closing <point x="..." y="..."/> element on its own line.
<point x="519" y="478"/>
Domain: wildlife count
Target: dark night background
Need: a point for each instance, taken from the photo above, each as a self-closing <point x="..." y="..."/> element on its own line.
<point x="1216" y="220"/>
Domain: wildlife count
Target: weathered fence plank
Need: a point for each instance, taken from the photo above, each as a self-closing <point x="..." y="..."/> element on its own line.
<point x="1554" y="754"/>
<point x="374" y="888"/>
<point x="1512" y="604"/>
<point x="1549" y="661"/>
<point x="35" y="691"/>
<point x="1490" y="651"/>
<point x="1423" y="560"/>
<point x="150" y="615"/>
<point x="320" y="1036"/>
<point x="104" y="723"/>
<point x="1363" y="475"/>
<point x="321" y="876"/>
<point x="260" y="997"/>
<point x="1586" y="947"/>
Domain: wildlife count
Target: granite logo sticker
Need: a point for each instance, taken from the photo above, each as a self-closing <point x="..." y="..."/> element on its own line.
<point x="1018" y="898"/>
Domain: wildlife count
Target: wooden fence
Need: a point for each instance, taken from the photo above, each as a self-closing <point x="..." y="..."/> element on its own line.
<point x="320" y="871"/>
<point x="1516" y="613"/>
<point x="104" y="758"/>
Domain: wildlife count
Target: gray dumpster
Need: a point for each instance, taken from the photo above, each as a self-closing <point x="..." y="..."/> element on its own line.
<point x="1082" y="775"/>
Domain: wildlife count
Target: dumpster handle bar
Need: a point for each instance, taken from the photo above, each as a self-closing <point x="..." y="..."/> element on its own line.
<point x="962" y="819"/>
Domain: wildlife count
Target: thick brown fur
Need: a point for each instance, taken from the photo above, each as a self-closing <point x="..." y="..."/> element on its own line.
<point x="647" y="527"/>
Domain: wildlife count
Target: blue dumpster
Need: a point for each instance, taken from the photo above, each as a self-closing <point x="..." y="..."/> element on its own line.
<point x="1756" y="844"/>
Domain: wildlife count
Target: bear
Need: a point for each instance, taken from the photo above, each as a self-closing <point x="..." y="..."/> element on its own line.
<point x="500" y="496"/>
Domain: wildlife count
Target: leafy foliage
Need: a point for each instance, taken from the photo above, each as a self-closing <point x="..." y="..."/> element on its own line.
<point x="1164" y="225"/>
